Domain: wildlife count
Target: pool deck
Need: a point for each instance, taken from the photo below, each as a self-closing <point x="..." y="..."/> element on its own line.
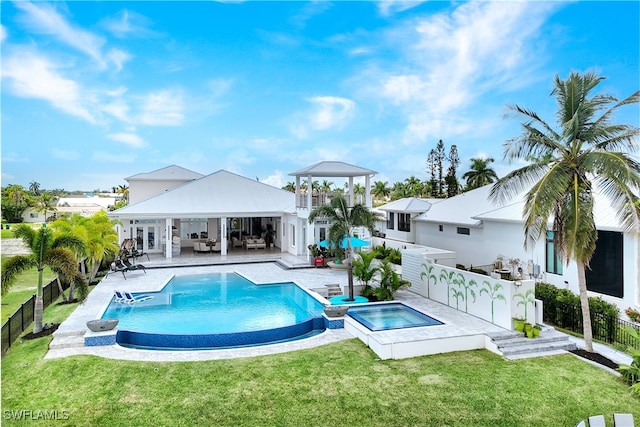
<point x="460" y="331"/>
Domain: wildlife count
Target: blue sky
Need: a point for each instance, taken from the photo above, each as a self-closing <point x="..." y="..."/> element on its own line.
<point x="93" y="92"/>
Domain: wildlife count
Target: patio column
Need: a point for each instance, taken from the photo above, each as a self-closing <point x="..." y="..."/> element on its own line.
<point x="223" y="235"/>
<point x="367" y="191"/>
<point x="168" y="240"/>
<point x="298" y="193"/>
<point x="309" y="192"/>
<point x="352" y="200"/>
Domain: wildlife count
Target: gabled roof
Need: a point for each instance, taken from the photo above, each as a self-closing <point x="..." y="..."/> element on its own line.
<point x="474" y="207"/>
<point x="220" y="194"/>
<point x="407" y="204"/>
<point x="169" y="173"/>
<point x="333" y="169"/>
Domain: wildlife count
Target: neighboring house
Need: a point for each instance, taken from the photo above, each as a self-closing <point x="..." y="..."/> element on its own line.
<point x="399" y="216"/>
<point x="479" y="232"/>
<point x="84" y="206"/>
<point x="186" y="207"/>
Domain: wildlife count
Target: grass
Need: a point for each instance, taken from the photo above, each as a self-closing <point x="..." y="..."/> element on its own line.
<point x="337" y="384"/>
<point x="24" y="286"/>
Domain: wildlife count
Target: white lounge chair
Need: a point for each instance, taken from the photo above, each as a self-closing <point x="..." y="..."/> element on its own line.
<point x="597" y="421"/>
<point x="129" y="298"/>
<point x="623" y="420"/>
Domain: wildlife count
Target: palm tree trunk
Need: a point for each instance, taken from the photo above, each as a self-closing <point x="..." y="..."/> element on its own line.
<point x="38" y="310"/>
<point x="584" y="302"/>
<point x="350" y="279"/>
<point x="64" y="297"/>
<point x="94" y="271"/>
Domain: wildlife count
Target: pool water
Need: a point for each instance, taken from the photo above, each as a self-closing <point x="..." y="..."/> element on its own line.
<point x="380" y="317"/>
<point x="216" y="310"/>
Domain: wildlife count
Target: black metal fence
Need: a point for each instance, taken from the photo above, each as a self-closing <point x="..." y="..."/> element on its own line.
<point x="605" y="328"/>
<point x="23" y="316"/>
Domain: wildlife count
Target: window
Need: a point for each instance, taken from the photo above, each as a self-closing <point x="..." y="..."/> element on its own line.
<point x="463" y="230"/>
<point x="605" y="274"/>
<point x="391" y="221"/>
<point x="554" y="263"/>
<point x="293" y="235"/>
<point x="441" y="227"/>
<point x="404" y="222"/>
<point x="193" y="228"/>
<point x="33" y="215"/>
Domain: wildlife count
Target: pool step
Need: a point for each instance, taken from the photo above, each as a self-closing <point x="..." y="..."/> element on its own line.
<point x="333" y="290"/>
<point x="513" y="345"/>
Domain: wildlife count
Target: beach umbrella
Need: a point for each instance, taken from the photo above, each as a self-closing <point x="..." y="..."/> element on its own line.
<point x="354" y="243"/>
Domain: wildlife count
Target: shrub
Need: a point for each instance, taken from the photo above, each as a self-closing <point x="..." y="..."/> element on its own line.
<point x="634" y="315"/>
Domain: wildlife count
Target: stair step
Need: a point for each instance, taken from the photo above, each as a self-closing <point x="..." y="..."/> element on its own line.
<point x="67" y="341"/>
<point x="568" y="345"/>
<point x="333" y="290"/>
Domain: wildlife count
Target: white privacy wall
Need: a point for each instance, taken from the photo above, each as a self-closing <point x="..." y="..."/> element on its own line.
<point x="493" y="300"/>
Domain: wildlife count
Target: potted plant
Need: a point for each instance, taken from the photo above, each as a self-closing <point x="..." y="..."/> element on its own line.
<point x="518" y="324"/>
<point x="536" y="331"/>
<point x="528" y="330"/>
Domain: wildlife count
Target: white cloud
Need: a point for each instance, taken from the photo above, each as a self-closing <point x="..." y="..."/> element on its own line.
<point x="449" y="60"/>
<point x="129" y="139"/>
<point x="390" y="7"/>
<point x="3" y="33"/>
<point x="33" y="76"/>
<point x="331" y="111"/>
<point x="162" y="108"/>
<point x="127" y="23"/>
<point x="277" y="180"/>
<point x="45" y="19"/>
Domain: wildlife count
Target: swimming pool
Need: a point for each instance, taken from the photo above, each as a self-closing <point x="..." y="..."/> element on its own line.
<point x="381" y="317"/>
<point x="217" y="310"/>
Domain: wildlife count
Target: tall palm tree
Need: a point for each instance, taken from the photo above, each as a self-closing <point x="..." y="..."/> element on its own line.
<point x="343" y="219"/>
<point x="34" y="187"/>
<point x="381" y="190"/>
<point x="46" y="203"/>
<point x="585" y="154"/>
<point x="46" y="250"/>
<point x="290" y="186"/>
<point x="480" y="174"/>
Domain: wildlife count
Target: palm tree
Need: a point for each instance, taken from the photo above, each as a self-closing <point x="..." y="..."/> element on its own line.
<point x="291" y="186"/>
<point x="480" y="174"/>
<point x="46" y="250"/>
<point x="343" y="219"/>
<point x="124" y="190"/>
<point x="586" y="152"/>
<point x="45" y="203"/>
<point x="34" y="187"/>
<point x="381" y="190"/>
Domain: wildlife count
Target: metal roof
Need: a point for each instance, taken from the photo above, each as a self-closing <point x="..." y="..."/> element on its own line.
<point x="172" y="172"/>
<point x="333" y="169"/>
<point x="220" y="194"/>
<point x="408" y="204"/>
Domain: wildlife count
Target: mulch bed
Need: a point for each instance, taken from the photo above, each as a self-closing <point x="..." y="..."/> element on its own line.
<point x="47" y="330"/>
<point x="596" y="357"/>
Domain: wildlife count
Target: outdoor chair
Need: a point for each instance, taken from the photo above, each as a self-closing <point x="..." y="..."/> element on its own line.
<point x="581" y="424"/>
<point x="119" y="297"/>
<point x="623" y="420"/>
<point x="131" y="267"/>
<point x="597" y="421"/>
<point x="132" y="299"/>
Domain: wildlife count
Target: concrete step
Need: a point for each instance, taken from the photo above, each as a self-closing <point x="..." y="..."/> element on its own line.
<point x="333" y="290"/>
<point x="67" y="341"/>
<point x="514" y="345"/>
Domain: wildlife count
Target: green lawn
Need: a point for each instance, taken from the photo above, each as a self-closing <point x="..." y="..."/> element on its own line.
<point x="337" y="384"/>
<point x="24" y="286"/>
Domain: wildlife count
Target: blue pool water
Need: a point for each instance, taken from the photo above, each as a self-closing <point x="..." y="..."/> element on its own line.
<point x="380" y="317"/>
<point x="217" y="310"/>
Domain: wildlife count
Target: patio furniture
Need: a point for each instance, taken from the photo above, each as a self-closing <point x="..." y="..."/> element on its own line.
<point x="623" y="420"/>
<point x="131" y="267"/>
<point x="319" y="262"/>
<point x="132" y="299"/>
<point x="597" y="421"/>
<point x="237" y="243"/>
<point x="255" y="244"/>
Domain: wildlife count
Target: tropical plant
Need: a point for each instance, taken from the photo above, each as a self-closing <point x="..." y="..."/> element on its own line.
<point x="467" y="290"/>
<point x="631" y="373"/>
<point x="480" y="173"/>
<point x="364" y="270"/>
<point x="586" y="153"/>
<point x="45" y="203"/>
<point x="47" y="249"/>
<point x="380" y="190"/>
<point x="15" y="200"/>
<point x="343" y="219"/>
<point x="389" y="283"/>
<point x="34" y="187"/>
<point x="290" y="186"/>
